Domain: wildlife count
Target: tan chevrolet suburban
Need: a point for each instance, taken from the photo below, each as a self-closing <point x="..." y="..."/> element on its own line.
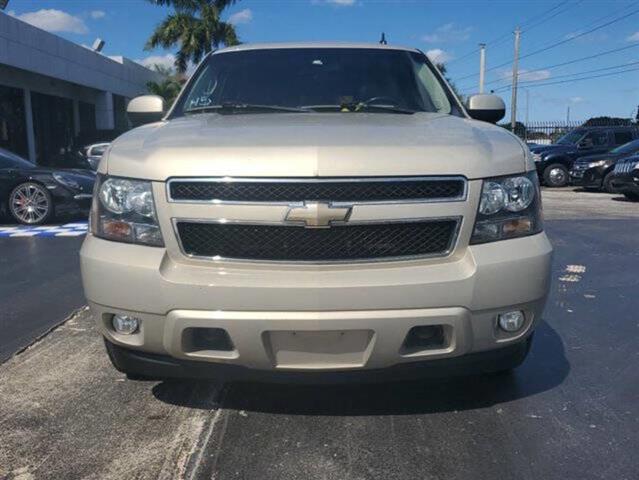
<point x="307" y="210"/>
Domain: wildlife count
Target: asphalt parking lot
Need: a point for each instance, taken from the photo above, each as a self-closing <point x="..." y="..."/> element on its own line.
<point x="570" y="412"/>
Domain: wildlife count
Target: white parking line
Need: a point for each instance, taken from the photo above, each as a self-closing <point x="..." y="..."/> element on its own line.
<point x="74" y="229"/>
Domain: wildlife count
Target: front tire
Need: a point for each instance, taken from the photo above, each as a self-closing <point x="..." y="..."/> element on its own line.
<point x="606" y="184"/>
<point x="30" y="203"/>
<point x="556" y="175"/>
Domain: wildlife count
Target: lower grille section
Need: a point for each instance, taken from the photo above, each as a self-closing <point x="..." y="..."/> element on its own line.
<point x="343" y="243"/>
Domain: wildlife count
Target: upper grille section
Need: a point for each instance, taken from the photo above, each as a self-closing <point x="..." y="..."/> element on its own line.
<point x="352" y="190"/>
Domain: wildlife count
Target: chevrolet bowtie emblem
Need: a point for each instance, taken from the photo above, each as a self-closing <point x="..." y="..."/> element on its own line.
<point x="317" y="214"/>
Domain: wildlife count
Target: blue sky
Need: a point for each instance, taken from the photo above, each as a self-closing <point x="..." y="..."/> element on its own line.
<point x="448" y="30"/>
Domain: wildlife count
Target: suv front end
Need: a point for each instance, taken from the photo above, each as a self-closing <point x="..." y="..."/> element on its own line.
<point x="292" y="246"/>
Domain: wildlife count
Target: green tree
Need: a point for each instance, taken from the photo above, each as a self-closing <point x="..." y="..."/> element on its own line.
<point x="195" y="27"/>
<point x="607" y="121"/>
<point x="170" y="85"/>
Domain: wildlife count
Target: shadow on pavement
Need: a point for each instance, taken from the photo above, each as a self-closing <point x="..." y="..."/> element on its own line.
<point x="624" y="200"/>
<point x="545" y="368"/>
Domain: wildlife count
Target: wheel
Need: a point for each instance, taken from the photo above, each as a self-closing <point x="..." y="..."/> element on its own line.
<point x="632" y="196"/>
<point x="556" y="175"/>
<point x="606" y="184"/>
<point x="31" y="204"/>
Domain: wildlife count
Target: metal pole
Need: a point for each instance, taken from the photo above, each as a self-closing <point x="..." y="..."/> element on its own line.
<point x="527" y="111"/>
<point x="568" y="114"/>
<point x="482" y="66"/>
<point x="513" y="100"/>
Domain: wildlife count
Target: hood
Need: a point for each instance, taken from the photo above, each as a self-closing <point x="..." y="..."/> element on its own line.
<point x="316" y="145"/>
<point x="553" y="148"/>
<point x="85" y="179"/>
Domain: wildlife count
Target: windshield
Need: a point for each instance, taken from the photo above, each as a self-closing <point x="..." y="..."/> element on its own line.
<point x="317" y="79"/>
<point x="571" y="138"/>
<point x="630" y="147"/>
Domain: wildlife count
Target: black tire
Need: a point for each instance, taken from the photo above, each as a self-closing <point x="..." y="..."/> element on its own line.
<point x="606" y="183"/>
<point x="556" y="175"/>
<point x="30" y="203"/>
<point x="634" y="197"/>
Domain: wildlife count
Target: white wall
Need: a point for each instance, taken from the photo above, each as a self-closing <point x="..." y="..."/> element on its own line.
<point x="29" y="48"/>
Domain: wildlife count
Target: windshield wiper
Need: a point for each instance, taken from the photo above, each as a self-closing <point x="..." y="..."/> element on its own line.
<point x="359" y="107"/>
<point x="243" y="107"/>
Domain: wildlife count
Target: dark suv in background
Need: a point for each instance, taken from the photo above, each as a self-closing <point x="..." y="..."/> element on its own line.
<point x="596" y="171"/>
<point x="555" y="161"/>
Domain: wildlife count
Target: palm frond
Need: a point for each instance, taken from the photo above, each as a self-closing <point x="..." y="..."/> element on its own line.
<point x="195" y="28"/>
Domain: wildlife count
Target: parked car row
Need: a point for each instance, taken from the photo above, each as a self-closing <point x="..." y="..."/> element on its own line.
<point x="585" y="156"/>
<point x="33" y="195"/>
<point x="625" y="177"/>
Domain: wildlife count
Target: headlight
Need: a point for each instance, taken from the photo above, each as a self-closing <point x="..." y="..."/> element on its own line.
<point x="66" y="180"/>
<point x="509" y="207"/>
<point x="124" y="211"/>
<point x="599" y="163"/>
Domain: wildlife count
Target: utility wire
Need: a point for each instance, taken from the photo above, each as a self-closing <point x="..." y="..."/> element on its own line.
<point x="543" y="84"/>
<point x="503" y="37"/>
<point x="567" y="75"/>
<point x="569" y="62"/>
<point x="557" y="44"/>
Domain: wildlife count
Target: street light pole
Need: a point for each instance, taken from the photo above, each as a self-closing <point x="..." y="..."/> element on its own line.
<point x="513" y="100"/>
<point x="482" y="66"/>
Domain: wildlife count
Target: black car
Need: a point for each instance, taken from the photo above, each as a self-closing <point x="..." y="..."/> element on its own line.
<point x="595" y="171"/>
<point x="33" y="195"/>
<point x="555" y="161"/>
<point x="625" y="177"/>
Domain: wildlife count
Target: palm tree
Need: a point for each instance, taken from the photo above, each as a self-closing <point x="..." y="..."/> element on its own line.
<point x="195" y="27"/>
<point x="170" y="85"/>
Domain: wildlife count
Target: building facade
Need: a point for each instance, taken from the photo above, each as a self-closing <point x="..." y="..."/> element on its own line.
<point x="52" y="91"/>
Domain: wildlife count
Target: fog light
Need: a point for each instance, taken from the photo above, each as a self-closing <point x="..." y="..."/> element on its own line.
<point x="511" y="321"/>
<point x="125" y="325"/>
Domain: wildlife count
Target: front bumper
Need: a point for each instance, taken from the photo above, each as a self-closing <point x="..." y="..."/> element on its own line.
<point x="626" y="182"/>
<point x="70" y="202"/>
<point x="317" y="318"/>
<point x="148" y="365"/>
<point x="588" y="178"/>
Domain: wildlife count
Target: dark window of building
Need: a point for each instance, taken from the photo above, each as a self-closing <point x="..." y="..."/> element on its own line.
<point x="13" y="129"/>
<point x="52" y="125"/>
<point x="119" y="109"/>
<point x="623" y="136"/>
<point x="87" y="117"/>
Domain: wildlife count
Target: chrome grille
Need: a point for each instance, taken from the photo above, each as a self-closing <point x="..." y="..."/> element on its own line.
<point x="625" y="167"/>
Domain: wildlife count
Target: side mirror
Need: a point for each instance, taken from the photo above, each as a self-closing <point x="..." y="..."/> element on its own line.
<point x="145" y="109"/>
<point x="487" y="108"/>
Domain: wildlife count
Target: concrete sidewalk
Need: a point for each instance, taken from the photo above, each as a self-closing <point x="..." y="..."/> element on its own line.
<point x="65" y="413"/>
